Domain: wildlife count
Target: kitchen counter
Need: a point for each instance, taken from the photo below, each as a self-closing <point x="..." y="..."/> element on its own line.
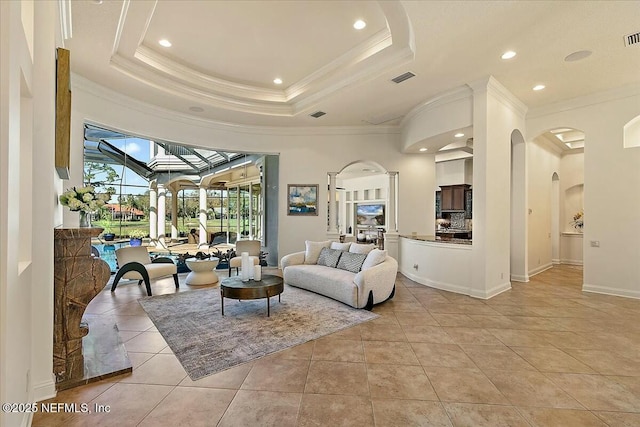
<point x="437" y="239"/>
<point x="441" y="264"/>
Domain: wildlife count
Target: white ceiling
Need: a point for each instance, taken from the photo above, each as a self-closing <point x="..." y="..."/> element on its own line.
<point x="225" y="54"/>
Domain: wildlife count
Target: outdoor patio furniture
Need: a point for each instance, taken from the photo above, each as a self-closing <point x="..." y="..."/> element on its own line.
<point x="135" y="264"/>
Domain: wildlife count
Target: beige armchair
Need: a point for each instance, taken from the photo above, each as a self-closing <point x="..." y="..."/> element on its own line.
<point x="250" y="246"/>
<point x="135" y="263"/>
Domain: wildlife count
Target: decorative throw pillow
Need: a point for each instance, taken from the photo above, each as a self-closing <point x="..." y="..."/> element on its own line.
<point x="312" y="250"/>
<point x="351" y="262"/>
<point x="357" y="248"/>
<point x="374" y="257"/>
<point x="329" y="257"/>
<point x="340" y="246"/>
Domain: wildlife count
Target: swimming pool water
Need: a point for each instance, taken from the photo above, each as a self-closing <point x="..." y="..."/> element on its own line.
<point x="108" y="254"/>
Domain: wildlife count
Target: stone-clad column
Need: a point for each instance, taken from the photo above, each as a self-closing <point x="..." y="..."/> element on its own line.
<point x="78" y="278"/>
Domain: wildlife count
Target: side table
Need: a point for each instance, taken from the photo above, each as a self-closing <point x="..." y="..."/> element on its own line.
<point x="202" y="271"/>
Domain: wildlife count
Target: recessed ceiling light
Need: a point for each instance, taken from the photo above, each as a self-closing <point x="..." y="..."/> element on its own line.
<point x="539" y="87"/>
<point x="459" y="135"/>
<point x="359" y="24"/>
<point x="277" y="81"/>
<point x="97" y="1"/>
<point x="165" y="43"/>
<point x="577" y="56"/>
<point x="423" y="149"/>
<point x="508" y="54"/>
<point x="196" y="109"/>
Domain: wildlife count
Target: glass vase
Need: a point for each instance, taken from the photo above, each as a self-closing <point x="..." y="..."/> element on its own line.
<point x="85" y="219"/>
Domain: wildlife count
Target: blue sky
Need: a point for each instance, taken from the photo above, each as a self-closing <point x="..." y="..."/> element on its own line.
<point x="139" y="149"/>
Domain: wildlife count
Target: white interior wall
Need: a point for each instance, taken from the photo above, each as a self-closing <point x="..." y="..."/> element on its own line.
<point x="305" y="155"/>
<point x="496" y="114"/>
<point x="27" y="64"/>
<point x="543" y="162"/>
<point x="611" y="182"/>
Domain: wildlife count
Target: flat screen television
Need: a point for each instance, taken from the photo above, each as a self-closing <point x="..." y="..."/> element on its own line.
<point x="370" y="215"/>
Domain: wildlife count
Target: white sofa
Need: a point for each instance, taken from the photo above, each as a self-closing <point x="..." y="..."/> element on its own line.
<point x="371" y="285"/>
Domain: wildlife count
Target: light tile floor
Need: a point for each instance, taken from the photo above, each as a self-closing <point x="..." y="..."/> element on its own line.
<point x="542" y="354"/>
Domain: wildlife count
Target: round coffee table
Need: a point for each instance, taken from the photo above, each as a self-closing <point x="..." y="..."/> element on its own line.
<point x="202" y="271"/>
<point x="235" y="288"/>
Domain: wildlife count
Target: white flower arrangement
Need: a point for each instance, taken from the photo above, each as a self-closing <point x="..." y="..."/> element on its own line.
<point x="84" y="199"/>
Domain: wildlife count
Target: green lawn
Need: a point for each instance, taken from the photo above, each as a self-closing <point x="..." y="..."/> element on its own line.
<point x="124" y="228"/>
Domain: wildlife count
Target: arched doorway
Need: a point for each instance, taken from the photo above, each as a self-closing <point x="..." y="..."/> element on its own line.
<point x="364" y="202"/>
<point x="556" y="195"/>
<point x="519" y="209"/>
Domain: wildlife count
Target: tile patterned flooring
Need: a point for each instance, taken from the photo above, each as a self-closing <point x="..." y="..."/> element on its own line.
<point x="542" y="354"/>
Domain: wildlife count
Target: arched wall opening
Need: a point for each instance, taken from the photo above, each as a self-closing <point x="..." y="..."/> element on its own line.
<point x="365" y="202"/>
<point x="631" y="136"/>
<point x="556" y="195"/>
<point x="518" y="229"/>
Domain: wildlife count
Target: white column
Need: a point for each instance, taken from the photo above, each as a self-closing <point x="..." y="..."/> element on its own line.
<point x="153" y="213"/>
<point x="203" y="217"/>
<point x="161" y="217"/>
<point x="332" y="202"/>
<point x="391" y="240"/>
<point x="174" y="215"/>
<point x="393" y="224"/>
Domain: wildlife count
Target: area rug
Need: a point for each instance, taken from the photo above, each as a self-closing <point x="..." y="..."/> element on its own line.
<point x="205" y="342"/>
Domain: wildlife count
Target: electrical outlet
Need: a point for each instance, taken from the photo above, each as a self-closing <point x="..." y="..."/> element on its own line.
<point x="415" y="266"/>
<point x="502" y="275"/>
<point x="595" y="243"/>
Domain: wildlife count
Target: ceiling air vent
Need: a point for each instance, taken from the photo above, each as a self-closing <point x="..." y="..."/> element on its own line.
<point x="403" y="77"/>
<point x="632" y="39"/>
<point x="317" y="114"/>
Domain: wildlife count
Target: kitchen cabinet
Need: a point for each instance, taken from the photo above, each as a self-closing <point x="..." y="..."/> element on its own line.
<point x="453" y="197"/>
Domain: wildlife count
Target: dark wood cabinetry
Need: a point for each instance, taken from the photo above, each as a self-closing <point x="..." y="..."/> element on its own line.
<point x="453" y="197"/>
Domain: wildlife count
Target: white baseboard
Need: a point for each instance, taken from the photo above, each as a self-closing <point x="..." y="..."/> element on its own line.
<point x="519" y="278"/>
<point x="490" y="293"/>
<point x="540" y="269"/>
<point x="27" y="419"/>
<point x="555" y="261"/>
<point x="611" y="291"/>
<point x="571" y="261"/>
<point x="44" y="390"/>
<point x="464" y="290"/>
<point x="438" y="285"/>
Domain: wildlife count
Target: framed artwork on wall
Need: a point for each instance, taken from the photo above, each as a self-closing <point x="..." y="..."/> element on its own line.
<point x="302" y="199"/>
<point x="63" y="113"/>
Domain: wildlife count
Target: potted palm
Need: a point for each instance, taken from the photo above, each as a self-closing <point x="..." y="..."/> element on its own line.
<point x="107" y="222"/>
<point x="135" y="237"/>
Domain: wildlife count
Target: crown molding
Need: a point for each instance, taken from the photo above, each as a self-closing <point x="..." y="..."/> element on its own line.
<point x="81" y="84"/>
<point x="493" y="86"/>
<point x="390" y="47"/>
<point x="585" y="101"/>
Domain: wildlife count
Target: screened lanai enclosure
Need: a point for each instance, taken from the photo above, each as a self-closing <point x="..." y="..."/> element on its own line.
<point x="168" y="191"/>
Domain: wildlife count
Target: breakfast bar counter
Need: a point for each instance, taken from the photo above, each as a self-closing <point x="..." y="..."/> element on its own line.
<point x="441" y="264"/>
